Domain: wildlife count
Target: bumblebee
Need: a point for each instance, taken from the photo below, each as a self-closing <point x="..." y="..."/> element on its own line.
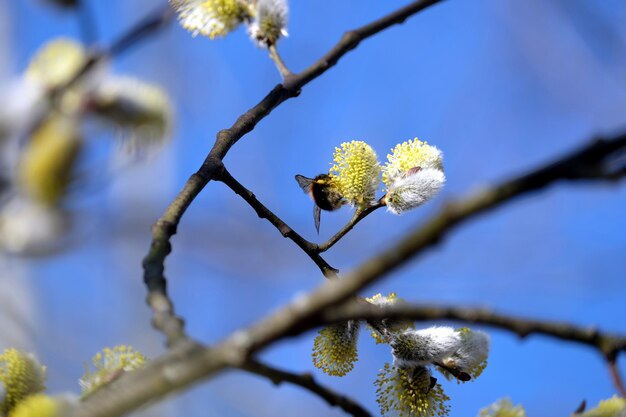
<point x="323" y="193"/>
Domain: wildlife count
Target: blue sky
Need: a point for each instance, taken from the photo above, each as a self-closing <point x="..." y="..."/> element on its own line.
<point x="500" y="86"/>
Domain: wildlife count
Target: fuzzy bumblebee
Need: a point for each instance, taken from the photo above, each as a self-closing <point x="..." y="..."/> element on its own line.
<point x="323" y="192"/>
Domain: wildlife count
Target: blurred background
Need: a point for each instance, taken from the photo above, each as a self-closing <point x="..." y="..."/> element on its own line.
<point x="501" y="86"/>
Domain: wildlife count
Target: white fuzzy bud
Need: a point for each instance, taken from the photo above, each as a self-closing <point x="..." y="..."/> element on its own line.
<point x="424" y="347"/>
<point x="270" y="22"/>
<point x="413" y="189"/>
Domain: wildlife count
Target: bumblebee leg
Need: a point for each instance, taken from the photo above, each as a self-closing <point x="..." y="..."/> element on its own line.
<point x="317" y="212"/>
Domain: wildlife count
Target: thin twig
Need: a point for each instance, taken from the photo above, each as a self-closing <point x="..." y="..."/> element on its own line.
<point x="287" y="232"/>
<point x="359" y="215"/>
<point x="306" y="381"/>
<point x="278" y="61"/>
<point x="166" y="226"/>
<point x="611" y="359"/>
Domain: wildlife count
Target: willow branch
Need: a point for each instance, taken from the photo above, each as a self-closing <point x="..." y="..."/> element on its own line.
<point x="306" y="381"/>
<point x="359" y="215"/>
<point x="287" y="232"/>
<point x="166" y="226"/>
<point x="309" y="248"/>
<point x="177" y="370"/>
<point x="607" y="344"/>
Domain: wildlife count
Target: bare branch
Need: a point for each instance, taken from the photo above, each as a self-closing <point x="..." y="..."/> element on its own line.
<point x="166" y="226"/>
<point x="307" y="382"/>
<point x="607" y="344"/>
<point x="309" y="248"/>
<point x="287" y="232"/>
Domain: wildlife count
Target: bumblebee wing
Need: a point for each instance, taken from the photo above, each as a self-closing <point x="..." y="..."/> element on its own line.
<point x="317" y="212"/>
<point x="304" y="183"/>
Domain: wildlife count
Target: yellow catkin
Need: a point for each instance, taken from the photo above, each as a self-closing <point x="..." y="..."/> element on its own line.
<point x="408" y="155"/>
<point x="46" y="165"/>
<point x="335" y="350"/>
<point x="210" y="18"/>
<point x="408" y="393"/>
<point x="21" y="375"/>
<point x="356" y="172"/>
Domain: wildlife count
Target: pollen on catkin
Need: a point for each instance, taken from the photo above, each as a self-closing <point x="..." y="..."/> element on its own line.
<point x="211" y="18"/>
<point x="386" y="326"/>
<point x="409" y="155"/>
<point x="356" y="173"/>
<point x="503" y="408"/>
<point x="21" y="375"/>
<point x="110" y="364"/>
<point x="335" y="348"/>
<point x="409" y="392"/>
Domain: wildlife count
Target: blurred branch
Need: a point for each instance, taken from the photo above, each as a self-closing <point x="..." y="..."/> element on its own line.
<point x="142" y="31"/>
<point x="176" y="370"/>
<point x="166" y="226"/>
<point x="136" y="34"/>
<point x="307" y="382"/>
<point x="162" y="307"/>
<point x="287" y="232"/>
